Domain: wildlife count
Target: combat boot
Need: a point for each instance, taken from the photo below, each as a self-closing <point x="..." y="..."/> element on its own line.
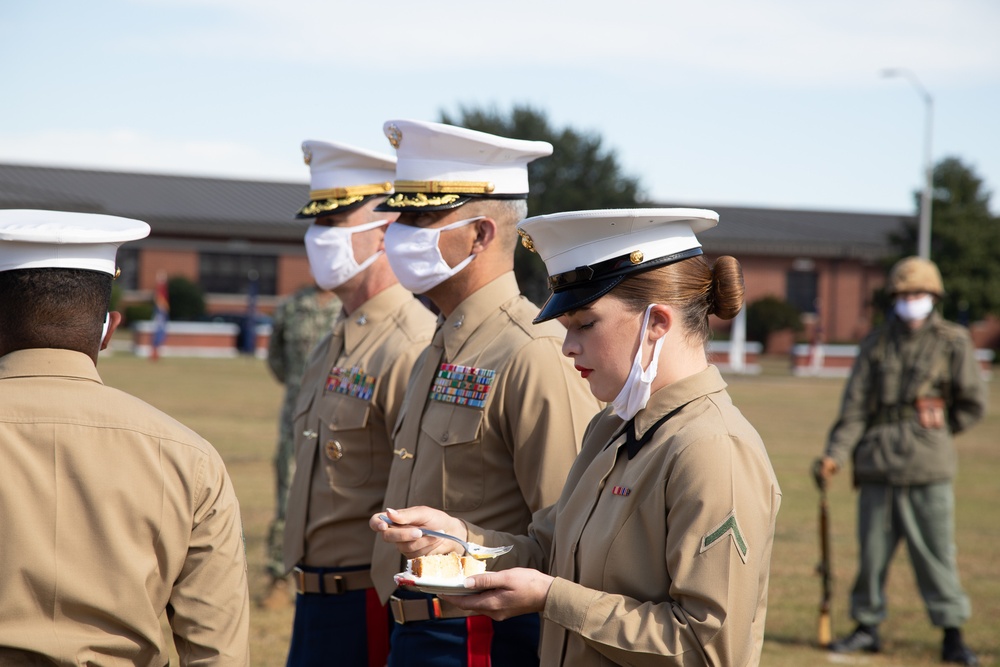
<point x="864" y="638"/>
<point x="954" y="650"/>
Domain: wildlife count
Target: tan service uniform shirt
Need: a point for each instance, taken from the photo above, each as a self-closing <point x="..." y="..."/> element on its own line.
<point x="496" y="462"/>
<point x="351" y="393"/>
<point x="662" y="559"/>
<point x="112" y="511"/>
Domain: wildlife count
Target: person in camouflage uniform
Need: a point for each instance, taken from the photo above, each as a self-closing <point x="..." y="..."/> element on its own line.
<point x="300" y="320"/>
<point x="915" y="383"/>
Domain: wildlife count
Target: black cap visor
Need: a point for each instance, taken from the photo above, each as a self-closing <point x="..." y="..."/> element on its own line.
<point x="574" y="289"/>
<point x="320" y="207"/>
<point x="573" y="298"/>
<point x="418" y="202"/>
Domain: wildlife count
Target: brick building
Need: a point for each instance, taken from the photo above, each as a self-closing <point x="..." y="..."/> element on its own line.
<point x="215" y="231"/>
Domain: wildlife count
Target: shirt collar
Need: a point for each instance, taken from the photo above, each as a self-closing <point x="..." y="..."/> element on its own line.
<point x="676" y="395"/>
<point x="48" y="362"/>
<point x="363" y="321"/>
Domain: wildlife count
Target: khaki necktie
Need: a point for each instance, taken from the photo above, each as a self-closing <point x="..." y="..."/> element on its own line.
<point x="306" y="446"/>
<point x="386" y="559"/>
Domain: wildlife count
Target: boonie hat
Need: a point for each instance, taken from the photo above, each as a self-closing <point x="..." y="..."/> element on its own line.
<point x="441" y="166"/>
<point x="587" y="253"/>
<point x="342" y="177"/>
<point x="36" y="239"/>
<point x="915" y="274"/>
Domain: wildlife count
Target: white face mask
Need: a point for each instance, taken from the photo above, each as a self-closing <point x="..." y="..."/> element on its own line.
<point x="635" y="394"/>
<point x="913" y="310"/>
<point x="104" y="329"/>
<point x="415" y="257"/>
<point x="331" y="253"/>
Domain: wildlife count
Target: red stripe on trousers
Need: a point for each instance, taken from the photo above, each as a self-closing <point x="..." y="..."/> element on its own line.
<point x="377" y="617"/>
<point x="480" y="636"/>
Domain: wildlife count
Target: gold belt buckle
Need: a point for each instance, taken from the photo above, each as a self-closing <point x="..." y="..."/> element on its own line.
<point x="339" y="585"/>
<point x="396" y="605"/>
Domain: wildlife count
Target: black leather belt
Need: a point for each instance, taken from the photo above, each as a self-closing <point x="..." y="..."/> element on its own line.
<point x="331" y="583"/>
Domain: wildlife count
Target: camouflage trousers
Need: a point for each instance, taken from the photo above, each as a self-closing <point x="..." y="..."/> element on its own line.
<point x="284" y="469"/>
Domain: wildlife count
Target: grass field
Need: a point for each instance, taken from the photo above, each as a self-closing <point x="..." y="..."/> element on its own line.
<point x="234" y="403"/>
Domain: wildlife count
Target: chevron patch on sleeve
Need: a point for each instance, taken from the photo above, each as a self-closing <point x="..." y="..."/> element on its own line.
<point x="730" y="528"/>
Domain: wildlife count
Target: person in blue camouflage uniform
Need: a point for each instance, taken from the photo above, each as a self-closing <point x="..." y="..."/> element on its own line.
<point x="300" y="320"/>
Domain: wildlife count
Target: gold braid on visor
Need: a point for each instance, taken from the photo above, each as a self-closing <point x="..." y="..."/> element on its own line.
<point x="449" y="187"/>
<point x="330" y="199"/>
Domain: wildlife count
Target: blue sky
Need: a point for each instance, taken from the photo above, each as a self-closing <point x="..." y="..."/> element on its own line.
<point x="776" y="103"/>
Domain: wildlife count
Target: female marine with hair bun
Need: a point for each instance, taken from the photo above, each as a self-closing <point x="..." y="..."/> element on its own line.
<point x="658" y="551"/>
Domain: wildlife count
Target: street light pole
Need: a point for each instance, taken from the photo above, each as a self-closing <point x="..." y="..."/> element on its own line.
<point x="924" y="231"/>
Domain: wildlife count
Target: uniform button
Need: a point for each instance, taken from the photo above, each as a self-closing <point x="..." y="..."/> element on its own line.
<point x="334" y="450"/>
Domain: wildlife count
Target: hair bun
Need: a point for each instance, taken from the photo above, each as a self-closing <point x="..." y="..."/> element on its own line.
<point x="726" y="296"/>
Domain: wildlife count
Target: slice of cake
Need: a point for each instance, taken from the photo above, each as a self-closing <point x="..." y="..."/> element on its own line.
<point x="445" y="567"/>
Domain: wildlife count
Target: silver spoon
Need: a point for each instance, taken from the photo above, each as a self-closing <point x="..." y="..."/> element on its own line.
<point x="477" y="551"/>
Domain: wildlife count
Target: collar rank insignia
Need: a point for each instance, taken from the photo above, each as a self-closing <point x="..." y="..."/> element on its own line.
<point x="462" y="385"/>
<point x="621" y="490"/>
<point x="351" y="382"/>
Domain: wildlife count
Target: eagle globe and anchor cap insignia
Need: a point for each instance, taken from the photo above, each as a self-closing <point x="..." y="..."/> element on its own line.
<point x="394" y="134"/>
<point x="526" y="240"/>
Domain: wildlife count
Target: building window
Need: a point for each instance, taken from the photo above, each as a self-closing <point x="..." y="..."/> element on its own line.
<point x="229" y="273"/>
<point x="128" y="262"/>
<point x="802" y="290"/>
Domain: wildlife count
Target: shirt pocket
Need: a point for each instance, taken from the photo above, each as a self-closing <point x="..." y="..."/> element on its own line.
<point x="457" y="430"/>
<point x="344" y="440"/>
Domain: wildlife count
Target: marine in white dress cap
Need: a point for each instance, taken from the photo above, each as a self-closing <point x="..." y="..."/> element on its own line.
<point x="441" y="167"/>
<point x="587" y="253"/>
<point x="37" y="239"/>
<point x="343" y="177"/>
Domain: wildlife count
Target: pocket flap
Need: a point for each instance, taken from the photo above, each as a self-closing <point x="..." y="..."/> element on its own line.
<point x="345" y="413"/>
<point x="449" y="424"/>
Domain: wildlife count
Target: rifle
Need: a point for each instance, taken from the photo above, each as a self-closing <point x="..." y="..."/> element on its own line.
<point x="823" y="569"/>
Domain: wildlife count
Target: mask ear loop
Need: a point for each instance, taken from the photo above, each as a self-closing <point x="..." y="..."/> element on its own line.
<point x="657" y="346"/>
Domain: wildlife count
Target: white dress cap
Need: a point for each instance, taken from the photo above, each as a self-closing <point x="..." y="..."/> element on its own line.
<point x="33" y="239"/>
<point x="587" y="253"/>
<point x="442" y="166"/>
<point x="342" y="176"/>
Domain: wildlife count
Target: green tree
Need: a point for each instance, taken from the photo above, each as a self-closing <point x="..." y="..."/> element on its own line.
<point x="580" y="174"/>
<point x="770" y="314"/>
<point x="187" y="300"/>
<point x="965" y="242"/>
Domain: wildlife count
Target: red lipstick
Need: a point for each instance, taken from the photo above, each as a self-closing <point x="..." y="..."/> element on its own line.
<point x="584" y="371"/>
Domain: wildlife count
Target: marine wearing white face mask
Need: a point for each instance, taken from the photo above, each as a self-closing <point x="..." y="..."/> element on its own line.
<point x="331" y="253"/>
<point x="352" y="390"/>
<point x="415" y="256"/>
